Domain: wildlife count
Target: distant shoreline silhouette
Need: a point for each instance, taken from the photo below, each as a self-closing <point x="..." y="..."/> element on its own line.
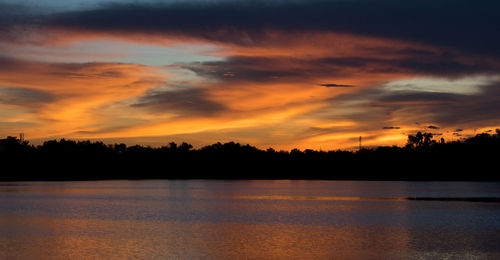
<point x="422" y="159"/>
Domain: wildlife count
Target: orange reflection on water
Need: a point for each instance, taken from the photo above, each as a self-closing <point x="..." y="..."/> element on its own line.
<point x="104" y="239"/>
<point x="247" y="220"/>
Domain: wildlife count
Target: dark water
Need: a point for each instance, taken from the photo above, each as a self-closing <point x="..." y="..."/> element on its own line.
<point x="249" y="220"/>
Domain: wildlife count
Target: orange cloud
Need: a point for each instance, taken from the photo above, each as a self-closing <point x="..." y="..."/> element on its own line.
<point x="78" y="90"/>
<point x="274" y="88"/>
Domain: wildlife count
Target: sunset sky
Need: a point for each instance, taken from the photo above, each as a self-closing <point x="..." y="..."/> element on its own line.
<point x="276" y="73"/>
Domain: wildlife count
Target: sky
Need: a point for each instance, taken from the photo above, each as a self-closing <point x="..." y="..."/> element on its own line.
<point x="301" y="74"/>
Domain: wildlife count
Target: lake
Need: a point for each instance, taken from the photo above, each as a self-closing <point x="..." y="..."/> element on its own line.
<point x="199" y="219"/>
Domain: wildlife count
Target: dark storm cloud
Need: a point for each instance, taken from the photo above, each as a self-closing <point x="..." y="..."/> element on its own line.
<point x="460" y="24"/>
<point x="391" y="127"/>
<point x="455" y="25"/>
<point x="251" y="69"/>
<point x="24" y="96"/>
<point x="185" y="100"/>
<point x="16" y="20"/>
<point x="336" y="86"/>
<point x="12" y="15"/>
<point x="265" y="69"/>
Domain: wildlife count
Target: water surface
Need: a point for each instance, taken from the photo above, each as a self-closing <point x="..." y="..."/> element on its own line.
<point x="198" y="219"/>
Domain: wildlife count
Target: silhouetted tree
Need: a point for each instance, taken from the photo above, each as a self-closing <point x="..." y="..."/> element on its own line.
<point x="13" y="145"/>
<point x="420" y="140"/>
<point x="82" y="160"/>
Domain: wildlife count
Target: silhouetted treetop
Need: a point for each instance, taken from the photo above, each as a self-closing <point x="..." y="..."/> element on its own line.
<point x="420" y="140"/>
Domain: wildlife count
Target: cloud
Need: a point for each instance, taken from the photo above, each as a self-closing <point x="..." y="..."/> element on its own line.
<point x="25" y="97"/>
<point x="293" y="69"/>
<point x="256" y="69"/>
<point x="75" y="78"/>
<point x="64" y="98"/>
<point x="471" y="27"/>
<point x="449" y="110"/>
<point x="416" y="64"/>
<point x="452" y="24"/>
<point x="269" y="59"/>
<point x="14" y="15"/>
<point x="187" y="101"/>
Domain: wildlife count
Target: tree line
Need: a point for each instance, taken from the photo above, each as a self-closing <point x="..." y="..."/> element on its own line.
<point x="422" y="158"/>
